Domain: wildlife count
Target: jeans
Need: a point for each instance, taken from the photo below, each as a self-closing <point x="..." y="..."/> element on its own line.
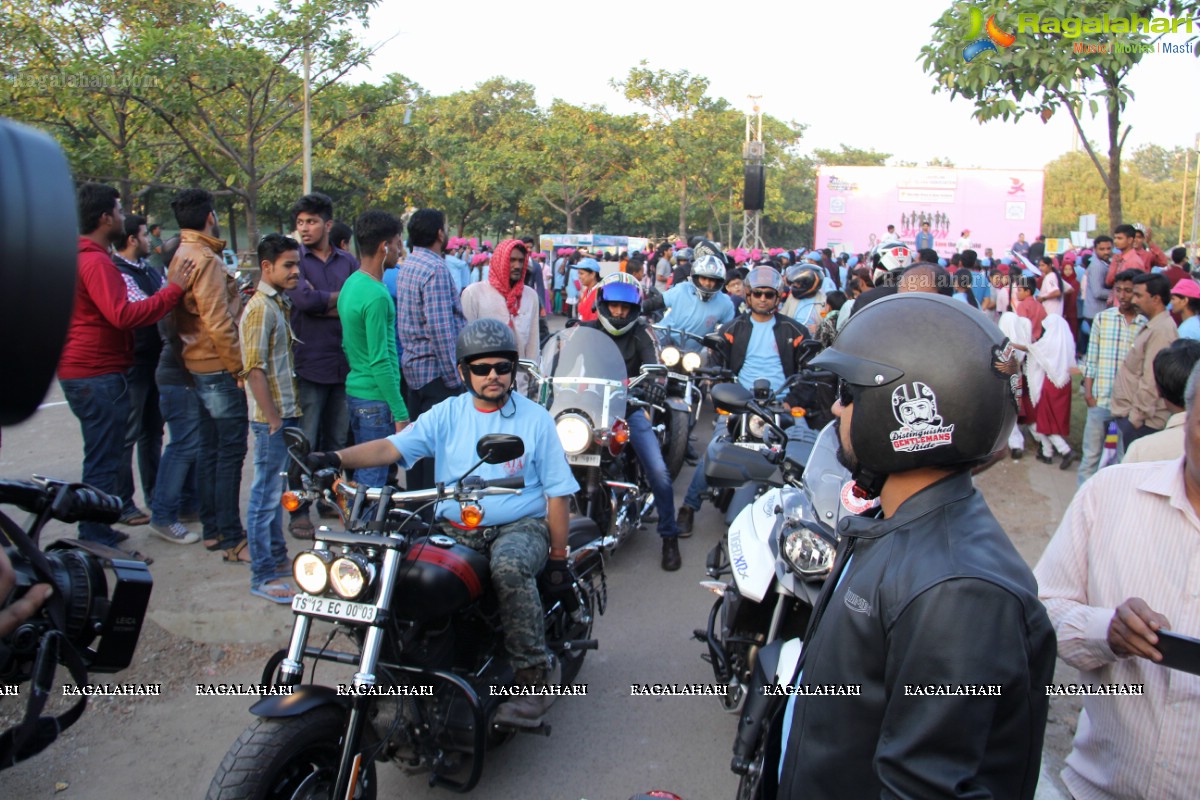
<point x="370" y="420"/>
<point x="180" y="408"/>
<point x="223" y="430"/>
<point x="420" y="400"/>
<point x="101" y="404"/>
<point x="649" y="453"/>
<point x="264" y="513"/>
<point x="324" y="420"/>
<point x="143" y="429"/>
<point x="699" y="482"/>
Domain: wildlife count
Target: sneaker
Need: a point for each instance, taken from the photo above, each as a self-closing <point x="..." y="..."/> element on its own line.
<point x="685" y="517"/>
<point x="134" y="516"/>
<point x="174" y="533"/>
<point x="670" y="553"/>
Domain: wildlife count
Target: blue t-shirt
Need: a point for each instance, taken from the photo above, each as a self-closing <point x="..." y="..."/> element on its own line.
<point x="688" y="312"/>
<point x="449" y="431"/>
<point x="808" y="313"/>
<point x="981" y="287"/>
<point x="389" y="280"/>
<point x="762" y="357"/>
<point x="460" y="272"/>
<point x="1190" y="328"/>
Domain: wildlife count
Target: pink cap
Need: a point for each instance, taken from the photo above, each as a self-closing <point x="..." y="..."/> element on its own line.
<point x="1186" y="287"/>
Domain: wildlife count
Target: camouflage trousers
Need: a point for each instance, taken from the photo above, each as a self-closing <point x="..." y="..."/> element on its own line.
<point x="517" y="552"/>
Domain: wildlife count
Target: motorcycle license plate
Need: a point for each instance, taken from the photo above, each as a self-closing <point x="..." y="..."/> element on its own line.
<point x="758" y="446"/>
<point x="334" y="609"/>
<point x="586" y="459"/>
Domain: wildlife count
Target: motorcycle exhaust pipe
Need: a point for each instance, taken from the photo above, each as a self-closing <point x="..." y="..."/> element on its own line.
<point x="758" y="710"/>
<point x="581" y="644"/>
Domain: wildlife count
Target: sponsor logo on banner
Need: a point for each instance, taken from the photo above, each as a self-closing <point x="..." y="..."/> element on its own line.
<point x="921" y="427"/>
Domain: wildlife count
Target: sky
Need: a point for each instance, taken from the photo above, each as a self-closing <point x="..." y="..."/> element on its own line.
<point x="847" y="70"/>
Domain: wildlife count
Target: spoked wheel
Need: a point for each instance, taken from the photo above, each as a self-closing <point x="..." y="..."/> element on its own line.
<point x="750" y="786"/>
<point x="291" y="758"/>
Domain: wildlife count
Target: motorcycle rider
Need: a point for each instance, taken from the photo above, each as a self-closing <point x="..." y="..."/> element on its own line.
<point x="805" y="299"/>
<point x="761" y="344"/>
<point x="697" y="306"/>
<point x="900" y="617"/>
<point x="683" y="266"/>
<point x="619" y="303"/>
<point x="520" y="528"/>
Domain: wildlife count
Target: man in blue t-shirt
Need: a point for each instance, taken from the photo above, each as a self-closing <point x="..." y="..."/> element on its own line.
<point x="697" y="306"/>
<point x="521" y="528"/>
<point x="759" y="345"/>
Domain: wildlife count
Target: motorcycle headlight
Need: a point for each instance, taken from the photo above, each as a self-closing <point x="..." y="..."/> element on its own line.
<point x="808" y="553"/>
<point x="574" y="434"/>
<point x="692" y="362"/>
<point x="670" y="356"/>
<point x="350" y="576"/>
<point x="756" y="427"/>
<point x="311" y="571"/>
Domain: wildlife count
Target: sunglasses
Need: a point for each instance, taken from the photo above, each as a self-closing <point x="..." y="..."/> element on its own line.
<point x="764" y="293"/>
<point x="483" y="370"/>
<point x="845" y="392"/>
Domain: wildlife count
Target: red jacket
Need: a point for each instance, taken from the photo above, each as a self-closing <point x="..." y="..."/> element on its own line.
<point x="100" y="338"/>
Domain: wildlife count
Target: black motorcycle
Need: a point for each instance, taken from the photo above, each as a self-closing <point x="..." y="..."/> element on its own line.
<point x="688" y="373"/>
<point x="426" y="641"/>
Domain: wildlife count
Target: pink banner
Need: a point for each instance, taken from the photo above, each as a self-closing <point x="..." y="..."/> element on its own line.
<point x="856" y="204"/>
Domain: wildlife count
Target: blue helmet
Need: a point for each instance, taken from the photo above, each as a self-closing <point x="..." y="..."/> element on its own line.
<point x="620" y="287"/>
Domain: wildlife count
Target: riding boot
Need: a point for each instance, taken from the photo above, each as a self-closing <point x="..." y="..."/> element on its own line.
<point x="527" y="710"/>
<point x="670" y="553"/>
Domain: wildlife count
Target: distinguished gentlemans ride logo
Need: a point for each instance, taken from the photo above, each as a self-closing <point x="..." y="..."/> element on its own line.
<point x="984" y="37"/>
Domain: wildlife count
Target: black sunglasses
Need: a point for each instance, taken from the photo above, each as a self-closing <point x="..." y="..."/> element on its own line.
<point x="483" y="370"/>
<point x="767" y="293"/>
<point x="845" y="392"/>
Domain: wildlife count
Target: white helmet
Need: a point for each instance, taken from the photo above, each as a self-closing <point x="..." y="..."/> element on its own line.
<point x="708" y="267"/>
<point x="894" y="257"/>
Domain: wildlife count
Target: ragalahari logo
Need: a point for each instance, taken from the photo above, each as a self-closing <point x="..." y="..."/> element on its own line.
<point x="980" y="44"/>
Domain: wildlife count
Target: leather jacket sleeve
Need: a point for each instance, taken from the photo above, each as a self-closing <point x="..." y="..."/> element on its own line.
<point x="932" y="747"/>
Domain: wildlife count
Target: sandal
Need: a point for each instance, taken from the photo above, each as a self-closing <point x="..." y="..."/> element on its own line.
<point x="301" y="528"/>
<point x="238" y="554"/>
<point x="274" y="591"/>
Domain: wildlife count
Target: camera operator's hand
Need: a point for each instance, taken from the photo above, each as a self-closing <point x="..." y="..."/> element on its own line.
<point x="319" y="461"/>
<point x="13" y="615"/>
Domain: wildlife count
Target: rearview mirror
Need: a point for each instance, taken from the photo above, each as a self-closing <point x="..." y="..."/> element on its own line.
<point x="499" y="448"/>
<point x="731" y="397"/>
<point x="295" y="441"/>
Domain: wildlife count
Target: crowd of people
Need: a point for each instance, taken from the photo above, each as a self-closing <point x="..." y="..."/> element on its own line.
<point x="412" y="344"/>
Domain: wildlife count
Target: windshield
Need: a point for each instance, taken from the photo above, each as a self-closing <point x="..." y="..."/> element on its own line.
<point x="585" y="374"/>
<point x="828" y="484"/>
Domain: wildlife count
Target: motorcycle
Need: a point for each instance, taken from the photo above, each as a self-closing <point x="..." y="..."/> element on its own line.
<point x="687" y="373"/>
<point x="426" y="642"/>
<point x="581" y="381"/>
<point x="778" y="552"/>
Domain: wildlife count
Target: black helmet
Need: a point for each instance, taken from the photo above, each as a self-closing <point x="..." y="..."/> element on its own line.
<point x="805" y="280"/>
<point x="485" y="337"/>
<point x="620" y="287"/>
<point x="933" y="385"/>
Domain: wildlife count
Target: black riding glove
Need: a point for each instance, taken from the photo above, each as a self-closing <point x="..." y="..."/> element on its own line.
<point x="319" y="461"/>
<point x="651" y="392"/>
<point x="558" y="574"/>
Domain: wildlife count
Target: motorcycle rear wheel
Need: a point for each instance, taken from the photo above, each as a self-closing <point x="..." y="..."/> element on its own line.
<point x="289" y="758"/>
<point x="676" y="441"/>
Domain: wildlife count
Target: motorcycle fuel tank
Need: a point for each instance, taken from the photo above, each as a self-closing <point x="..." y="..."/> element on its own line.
<point x="750" y="554"/>
<point x="438" y="577"/>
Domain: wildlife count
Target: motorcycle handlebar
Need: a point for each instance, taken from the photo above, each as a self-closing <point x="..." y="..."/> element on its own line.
<point x="482" y="489"/>
<point x="515" y="482"/>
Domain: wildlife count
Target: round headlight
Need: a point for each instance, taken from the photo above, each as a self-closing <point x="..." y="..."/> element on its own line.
<point x="574" y="434"/>
<point x="670" y="356"/>
<point x="809" y="553"/>
<point x="311" y="571"/>
<point x="692" y="362"/>
<point x="757" y="426"/>
<point x="350" y="576"/>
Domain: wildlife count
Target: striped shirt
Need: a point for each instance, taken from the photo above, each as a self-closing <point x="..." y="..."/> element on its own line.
<point x="267" y="342"/>
<point x="428" y="318"/>
<point x="1111" y="338"/>
<point x="1129" y="532"/>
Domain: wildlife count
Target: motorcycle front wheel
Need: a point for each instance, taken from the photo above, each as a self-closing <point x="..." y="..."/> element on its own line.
<point x="676" y="441"/>
<point x="289" y="758"/>
<point x="750" y="786"/>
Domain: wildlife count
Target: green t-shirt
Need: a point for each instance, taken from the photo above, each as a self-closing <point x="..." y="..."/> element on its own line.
<point x="368" y="316"/>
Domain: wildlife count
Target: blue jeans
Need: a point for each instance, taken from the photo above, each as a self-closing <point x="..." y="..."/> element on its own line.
<point x="180" y="408"/>
<point x="370" y="420"/>
<point x="1094" y="429"/>
<point x="223" y="429"/>
<point x="699" y="482"/>
<point x="143" y="429"/>
<point x="646" y="448"/>
<point x="101" y="404"/>
<point x="264" y="513"/>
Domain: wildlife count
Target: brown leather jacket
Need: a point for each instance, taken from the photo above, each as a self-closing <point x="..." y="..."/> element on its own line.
<point x="207" y="319"/>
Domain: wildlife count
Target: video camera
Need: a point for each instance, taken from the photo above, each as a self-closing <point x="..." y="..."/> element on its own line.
<point x="81" y="626"/>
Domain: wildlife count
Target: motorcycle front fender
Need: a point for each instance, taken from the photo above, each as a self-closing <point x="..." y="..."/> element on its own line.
<point x="677" y="404"/>
<point x="303" y="698"/>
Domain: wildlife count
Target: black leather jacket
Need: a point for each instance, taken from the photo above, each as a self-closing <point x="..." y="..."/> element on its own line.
<point x="936" y="596"/>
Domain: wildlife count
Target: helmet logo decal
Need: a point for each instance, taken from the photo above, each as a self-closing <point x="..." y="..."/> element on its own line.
<point x="921" y="427"/>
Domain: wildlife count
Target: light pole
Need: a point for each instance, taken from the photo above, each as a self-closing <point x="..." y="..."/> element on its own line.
<point x="307" y="120"/>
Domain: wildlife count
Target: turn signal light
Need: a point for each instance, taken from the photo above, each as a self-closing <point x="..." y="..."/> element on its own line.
<point x="797" y="411"/>
<point x="472" y="515"/>
<point x="619" y="437"/>
<point x="722" y="412"/>
<point x="291" y="501"/>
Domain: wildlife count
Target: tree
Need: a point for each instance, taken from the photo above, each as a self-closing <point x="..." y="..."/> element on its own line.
<point x="850" y="157"/>
<point x="1041" y="74"/>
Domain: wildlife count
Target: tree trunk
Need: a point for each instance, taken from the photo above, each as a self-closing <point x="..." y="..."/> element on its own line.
<point x="683" y="209"/>
<point x="1115" y="143"/>
<point x="232" y="228"/>
<point x="251" y="199"/>
<point x="570" y="220"/>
